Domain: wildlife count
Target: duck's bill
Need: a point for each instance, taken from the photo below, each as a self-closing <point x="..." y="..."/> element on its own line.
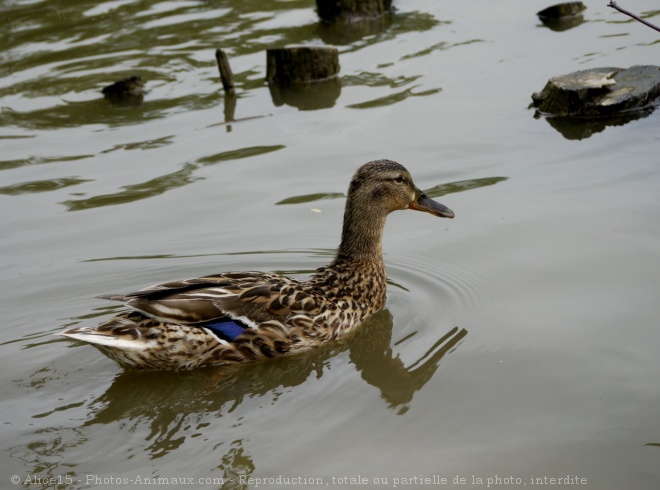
<point x="428" y="205"/>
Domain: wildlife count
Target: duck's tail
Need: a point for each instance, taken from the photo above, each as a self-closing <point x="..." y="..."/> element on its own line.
<point x="121" y="332"/>
<point x="139" y="342"/>
<point x="113" y="297"/>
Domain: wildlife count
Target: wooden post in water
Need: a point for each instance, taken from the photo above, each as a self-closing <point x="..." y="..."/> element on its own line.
<point x="226" y="76"/>
<point x="300" y="65"/>
<point x="350" y="10"/>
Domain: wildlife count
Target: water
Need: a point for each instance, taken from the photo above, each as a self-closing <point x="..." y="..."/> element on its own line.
<point x="519" y="340"/>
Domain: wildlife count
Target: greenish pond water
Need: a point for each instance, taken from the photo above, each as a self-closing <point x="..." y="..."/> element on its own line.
<point x="520" y="340"/>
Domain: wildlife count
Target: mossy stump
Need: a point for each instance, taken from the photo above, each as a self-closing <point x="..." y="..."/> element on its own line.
<point x="301" y="65"/>
<point x="562" y="10"/>
<point x="351" y="10"/>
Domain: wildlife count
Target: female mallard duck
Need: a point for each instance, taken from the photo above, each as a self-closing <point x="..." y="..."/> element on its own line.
<point x="245" y="316"/>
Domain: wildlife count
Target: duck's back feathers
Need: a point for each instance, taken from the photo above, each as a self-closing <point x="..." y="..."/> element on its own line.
<point x="251" y="297"/>
<point x="211" y="320"/>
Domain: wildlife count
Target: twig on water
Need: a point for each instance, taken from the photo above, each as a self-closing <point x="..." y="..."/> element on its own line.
<point x="630" y="14"/>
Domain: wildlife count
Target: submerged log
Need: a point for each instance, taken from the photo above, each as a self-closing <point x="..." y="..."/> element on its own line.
<point x="562" y="10"/>
<point x="301" y="65"/>
<point x="563" y="16"/>
<point x="573" y="128"/>
<point x="127" y="92"/>
<point x="351" y="10"/>
<point x="226" y="76"/>
<point x="599" y="92"/>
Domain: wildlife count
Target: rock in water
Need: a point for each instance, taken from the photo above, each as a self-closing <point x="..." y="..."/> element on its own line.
<point x="562" y="10"/>
<point x="599" y="92"/>
<point x="563" y="16"/>
<point x="127" y="92"/>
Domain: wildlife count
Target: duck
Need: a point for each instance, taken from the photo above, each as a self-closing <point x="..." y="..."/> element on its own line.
<point x="241" y="317"/>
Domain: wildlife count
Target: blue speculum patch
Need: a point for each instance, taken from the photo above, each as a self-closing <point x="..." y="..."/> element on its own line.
<point x="226" y="328"/>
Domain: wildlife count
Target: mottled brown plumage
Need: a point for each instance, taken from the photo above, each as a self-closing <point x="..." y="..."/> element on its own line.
<point x="170" y="325"/>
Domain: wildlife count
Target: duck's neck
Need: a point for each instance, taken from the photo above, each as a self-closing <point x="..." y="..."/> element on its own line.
<point x="361" y="237"/>
<point x="357" y="274"/>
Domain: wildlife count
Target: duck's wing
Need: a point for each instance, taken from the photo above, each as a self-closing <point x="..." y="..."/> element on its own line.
<point x="251" y="297"/>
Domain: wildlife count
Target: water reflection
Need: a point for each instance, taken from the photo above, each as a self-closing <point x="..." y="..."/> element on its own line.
<point x="462" y="185"/>
<point x="343" y="33"/>
<point x="41" y="186"/>
<point x="311" y="197"/>
<point x="163" y="183"/>
<point x="366" y="32"/>
<point x="373" y="357"/>
<point x="307" y="97"/>
<point x="171" y="408"/>
<point x="563" y="23"/>
<point x="583" y="128"/>
<point x="160" y="398"/>
<point x="394" y="98"/>
<point x="38" y="160"/>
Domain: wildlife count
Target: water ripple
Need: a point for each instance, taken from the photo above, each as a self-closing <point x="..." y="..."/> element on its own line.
<point x="433" y="287"/>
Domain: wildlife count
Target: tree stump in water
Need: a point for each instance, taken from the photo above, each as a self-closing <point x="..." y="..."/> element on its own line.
<point x="350" y="10"/>
<point x="303" y="77"/>
<point x="301" y="65"/>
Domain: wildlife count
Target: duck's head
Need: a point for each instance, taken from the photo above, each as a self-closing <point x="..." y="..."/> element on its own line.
<point x="388" y="185"/>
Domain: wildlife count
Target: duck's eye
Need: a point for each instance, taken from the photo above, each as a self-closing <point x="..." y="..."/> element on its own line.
<point x="399" y="179"/>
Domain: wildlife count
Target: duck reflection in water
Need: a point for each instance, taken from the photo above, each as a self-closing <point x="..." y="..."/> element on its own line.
<point x="162" y="398"/>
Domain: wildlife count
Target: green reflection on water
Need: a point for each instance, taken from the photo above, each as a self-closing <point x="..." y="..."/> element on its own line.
<point x="37" y="160"/>
<point x="40" y="186"/>
<point x="159" y="185"/>
<point x="311" y="197"/>
<point x="393" y="98"/>
<point x="462" y="185"/>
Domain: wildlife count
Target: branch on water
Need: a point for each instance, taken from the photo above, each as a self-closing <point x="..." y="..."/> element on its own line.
<point x="630" y="14"/>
